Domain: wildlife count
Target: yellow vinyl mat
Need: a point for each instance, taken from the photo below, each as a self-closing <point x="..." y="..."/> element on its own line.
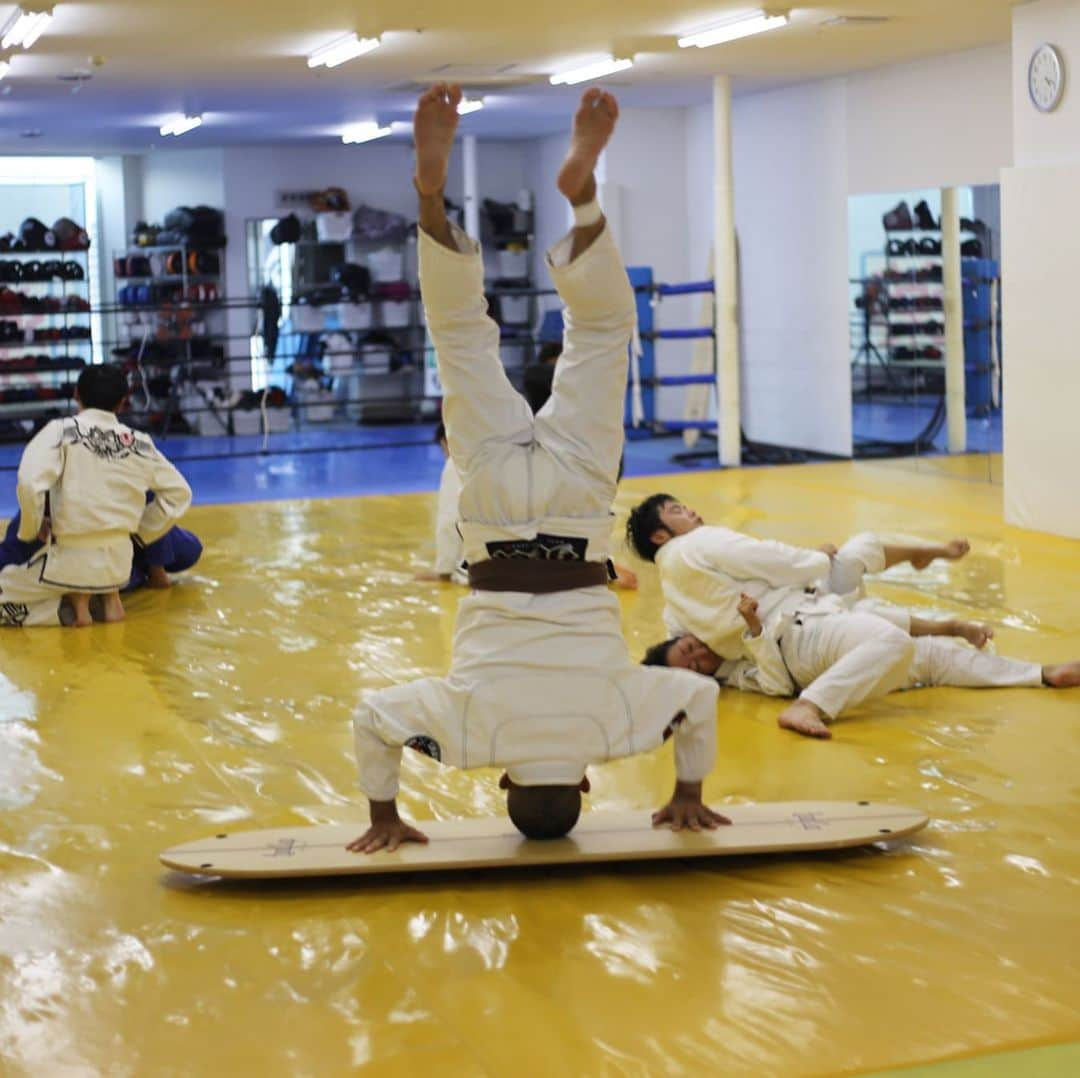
<point x="225" y="703"/>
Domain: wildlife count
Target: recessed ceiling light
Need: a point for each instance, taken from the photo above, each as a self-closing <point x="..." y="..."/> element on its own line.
<point x="346" y="48"/>
<point x="597" y="70"/>
<point x="180" y="125"/>
<point x="364" y="132"/>
<point x="467" y="106"/>
<point x="25" y="26"/>
<point x="734" y="29"/>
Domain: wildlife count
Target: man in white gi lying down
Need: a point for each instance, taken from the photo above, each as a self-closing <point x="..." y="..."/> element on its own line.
<point x="767" y="617"/>
<point x="821" y="658"/>
<point x="540" y="683"/>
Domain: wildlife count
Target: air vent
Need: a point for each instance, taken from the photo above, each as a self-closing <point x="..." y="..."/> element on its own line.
<point x="479" y="78"/>
<point x="857" y="20"/>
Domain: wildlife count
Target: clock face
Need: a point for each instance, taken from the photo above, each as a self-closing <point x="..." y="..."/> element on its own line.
<point x="1046" y="78"/>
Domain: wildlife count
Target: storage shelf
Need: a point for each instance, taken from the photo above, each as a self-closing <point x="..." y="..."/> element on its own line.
<point x="40" y="314"/>
<point x="8" y="408"/>
<point x="174" y="278"/>
<point x="174" y="247"/>
<point x="22" y="282"/>
<point x="37" y="252"/>
<point x="23" y="371"/>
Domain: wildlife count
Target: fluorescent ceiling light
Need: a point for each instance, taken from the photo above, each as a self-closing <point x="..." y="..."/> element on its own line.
<point x="181" y="125"/>
<point x="5" y="67"/>
<point x="590" y="71"/>
<point x="733" y="29"/>
<point x="365" y="132"/>
<point x="469" y="106"/>
<point x="25" y="27"/>
<point x="347" y="48"/>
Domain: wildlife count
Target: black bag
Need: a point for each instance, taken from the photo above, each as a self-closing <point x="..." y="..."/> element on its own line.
<point x="287" y="230"/>
<point x="355" y="280"/>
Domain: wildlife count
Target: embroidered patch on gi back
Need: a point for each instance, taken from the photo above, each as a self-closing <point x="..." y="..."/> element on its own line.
<point x="427" y="745"/>
<point x="107" y="444"/>
<point x="542" y="548"/>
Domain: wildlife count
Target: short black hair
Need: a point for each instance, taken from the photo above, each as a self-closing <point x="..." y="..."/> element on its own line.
<point x="102" y="385"/>
<point x="544" y="812"/>
<point x="657" y="655"/>
<point x="644" y="520"/>
<point x="440" y="432"/>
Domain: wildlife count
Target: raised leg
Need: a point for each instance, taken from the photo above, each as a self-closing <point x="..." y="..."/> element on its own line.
<point x="434" y="126"/>
<point x="921" y="556"/>
<point x="593" y="127"/>
<point x="583" y="419"/>
<point x="480" y="407"/>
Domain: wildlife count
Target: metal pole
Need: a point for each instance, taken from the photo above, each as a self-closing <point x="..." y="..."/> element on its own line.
<point x="472" y="196"/>
<point x="955" y="402"/>
<point x="726" y="307"/>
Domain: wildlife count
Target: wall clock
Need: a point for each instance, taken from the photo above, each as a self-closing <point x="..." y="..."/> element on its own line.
<point x="1046" y="78"/>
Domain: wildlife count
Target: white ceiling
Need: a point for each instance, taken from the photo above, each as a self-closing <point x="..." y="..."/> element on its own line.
<point x="241" y="63"/>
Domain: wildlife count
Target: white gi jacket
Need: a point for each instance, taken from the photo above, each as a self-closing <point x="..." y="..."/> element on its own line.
<point x="542" y="686"/>
<point x="764" y="672"/>
<point x="96" y="472"/>
<point x="703" y="572"/>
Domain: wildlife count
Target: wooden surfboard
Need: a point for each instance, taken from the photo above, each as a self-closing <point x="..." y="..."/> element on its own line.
<point x="493" y="842"/>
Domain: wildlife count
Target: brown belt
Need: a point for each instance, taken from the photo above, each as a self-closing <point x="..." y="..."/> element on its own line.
<point x="536" y="576"/>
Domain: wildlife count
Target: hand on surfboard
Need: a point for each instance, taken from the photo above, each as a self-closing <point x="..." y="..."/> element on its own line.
<point x="687" y="810"/>
<point x="387" y="831"/>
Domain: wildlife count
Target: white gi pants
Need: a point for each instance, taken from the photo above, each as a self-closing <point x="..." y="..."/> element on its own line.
<point x="846" y="659"/>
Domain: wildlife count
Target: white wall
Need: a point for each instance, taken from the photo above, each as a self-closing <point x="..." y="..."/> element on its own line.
<point x="945" y="121"/>
<point x="791" y="216"/>
<point x="1046" y="138"/>
<point x="800" y="153"/>
<point x="172" y="178"/>
<point x="1042" y="387"/>
<point x="1040" y="254"/>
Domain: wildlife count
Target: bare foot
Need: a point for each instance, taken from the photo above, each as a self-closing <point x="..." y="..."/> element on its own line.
<point x="805" y="718"/>
<point x="156" y="577"/>
<point x="951" y="551"/>
<point x="1062" y="675"/>
<point x="593" y="125"/>
<point x="80" y="605"/>
<point x="434" y="126"/>
<point x="974" y="633"/>
<point x="114" y="609"/>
